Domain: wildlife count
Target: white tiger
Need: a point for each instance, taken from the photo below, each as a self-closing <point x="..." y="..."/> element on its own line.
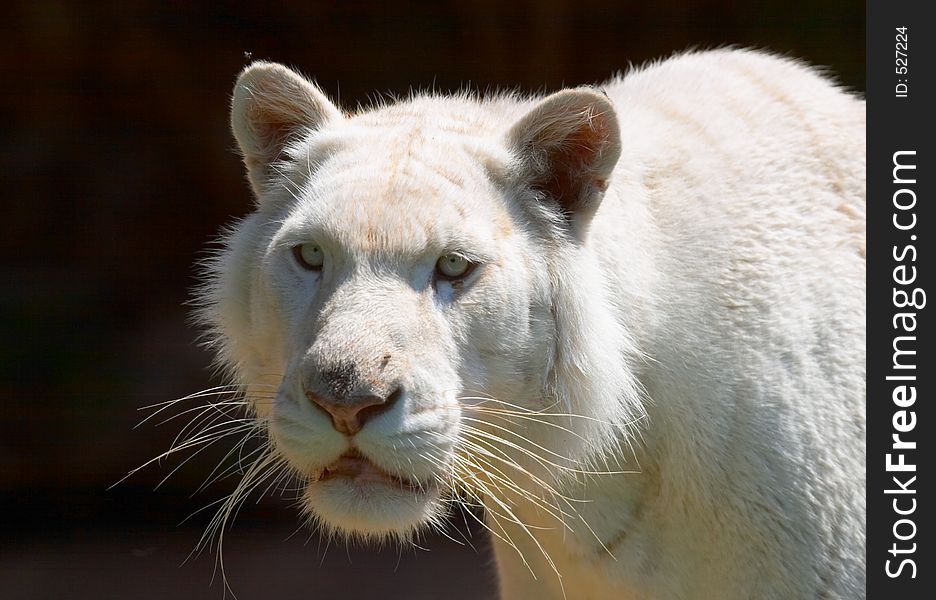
<point x="628" y="320"/>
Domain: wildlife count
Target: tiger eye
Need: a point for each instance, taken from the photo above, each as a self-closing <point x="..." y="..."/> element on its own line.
<point x="452" y="266"/>
<point x="309" y="256"/>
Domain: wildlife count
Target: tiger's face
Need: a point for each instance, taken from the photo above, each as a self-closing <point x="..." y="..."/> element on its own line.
<point x="392" y="304"/>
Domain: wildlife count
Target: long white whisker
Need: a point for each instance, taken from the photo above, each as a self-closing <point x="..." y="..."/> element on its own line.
<point x="475" y="432"/>
<point x="500" y="477"/>
<point x="209" y="439"/>
<point x="238" y="428"/>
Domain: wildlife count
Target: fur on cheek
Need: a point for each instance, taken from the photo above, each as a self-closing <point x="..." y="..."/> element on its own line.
<point x="590" y="372"/>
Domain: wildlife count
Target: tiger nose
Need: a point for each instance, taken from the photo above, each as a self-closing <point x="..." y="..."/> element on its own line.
<point x="349" y="414"/>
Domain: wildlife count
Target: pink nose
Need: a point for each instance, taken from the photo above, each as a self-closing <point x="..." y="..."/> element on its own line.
<point x="349" y="415"/>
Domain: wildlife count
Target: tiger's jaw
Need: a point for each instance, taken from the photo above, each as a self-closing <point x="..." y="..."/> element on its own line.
<point x="355" y="496"/>
<point x="386" y="480"/>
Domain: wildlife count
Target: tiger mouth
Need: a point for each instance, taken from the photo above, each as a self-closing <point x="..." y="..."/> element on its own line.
<point x="357" y="468"/>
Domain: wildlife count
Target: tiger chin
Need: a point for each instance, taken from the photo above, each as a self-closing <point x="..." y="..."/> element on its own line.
<point x="626" y="320"/>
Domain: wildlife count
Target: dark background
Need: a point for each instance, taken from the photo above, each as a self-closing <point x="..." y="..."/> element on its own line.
<point x="118" y="167"/>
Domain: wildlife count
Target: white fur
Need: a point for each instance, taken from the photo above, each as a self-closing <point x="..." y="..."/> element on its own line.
<point x="699" y="304"/>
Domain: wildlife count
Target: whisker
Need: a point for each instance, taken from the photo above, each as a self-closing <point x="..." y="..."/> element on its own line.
<point x="220" y="389"/>
<point x="253" y="477"/>
<point x="210" y="439"/>
<point x="521" y="410"/>
<point x="205" y="417"/>
<point x="508" y="416"/>
<point x="495" y="453"/>
<point x="504" y="537"/>
<point x="202" y="449"/>
<point x="475" y="432"/>
<point x="236" y="466"/>
<point x="611" y="448"/>
<point x="526" y="529"/>
<point x="501" y="477"/>
<point x="173" y="403"/>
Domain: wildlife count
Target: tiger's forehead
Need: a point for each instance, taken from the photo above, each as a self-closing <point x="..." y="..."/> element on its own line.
<point x="402" y="190"/>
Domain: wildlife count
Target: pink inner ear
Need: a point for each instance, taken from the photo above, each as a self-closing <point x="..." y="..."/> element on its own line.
<point x="571" y="167"/>
<point x="271" y="129"/>
<point x="277" y="110"/>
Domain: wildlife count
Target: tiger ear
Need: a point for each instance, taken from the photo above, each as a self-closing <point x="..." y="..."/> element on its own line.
<point x="567" y="146"/>
<point x="272" y="107"/>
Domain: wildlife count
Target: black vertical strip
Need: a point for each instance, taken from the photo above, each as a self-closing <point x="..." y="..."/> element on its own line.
<point x="901" y="367"/>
